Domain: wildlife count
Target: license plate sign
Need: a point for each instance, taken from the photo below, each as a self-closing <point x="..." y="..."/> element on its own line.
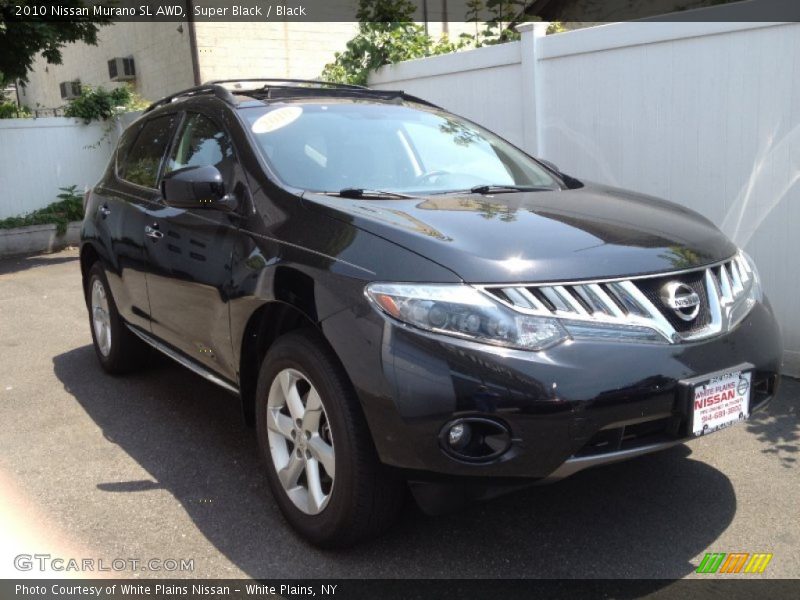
<point x="721" y="401"/>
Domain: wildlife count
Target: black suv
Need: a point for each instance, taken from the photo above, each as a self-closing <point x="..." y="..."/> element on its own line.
<point x="397" y="296"/>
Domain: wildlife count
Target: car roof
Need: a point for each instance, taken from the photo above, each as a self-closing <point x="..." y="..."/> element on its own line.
<point x="259" y="92"/>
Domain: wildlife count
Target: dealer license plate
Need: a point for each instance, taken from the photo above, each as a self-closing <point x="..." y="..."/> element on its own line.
<point x="721" y="401"/>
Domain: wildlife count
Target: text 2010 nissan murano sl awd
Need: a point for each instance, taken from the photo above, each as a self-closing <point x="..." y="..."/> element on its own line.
<point x="400" y="298"/>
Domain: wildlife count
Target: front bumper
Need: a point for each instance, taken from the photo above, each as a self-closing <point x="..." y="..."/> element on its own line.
<point x="573" y="406"/>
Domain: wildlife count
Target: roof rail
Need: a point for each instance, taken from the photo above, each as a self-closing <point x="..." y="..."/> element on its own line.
<point x="284" y="91"/>
<point x="267" y="81"/>
<point x="277" y="88"/>
<point x="210" y="88"/>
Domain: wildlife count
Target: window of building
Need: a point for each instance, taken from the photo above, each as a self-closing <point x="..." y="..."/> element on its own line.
<point x="70" y="89"/>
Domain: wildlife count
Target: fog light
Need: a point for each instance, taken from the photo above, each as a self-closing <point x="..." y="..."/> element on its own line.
<point x="459" y="435"/>
<point x="474" y="439"/>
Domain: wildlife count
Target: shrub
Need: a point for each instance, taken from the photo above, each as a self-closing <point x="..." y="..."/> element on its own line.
<point x="9" y="110"/>
<point x="69" y="208"/>
<point x="99" y="104"/>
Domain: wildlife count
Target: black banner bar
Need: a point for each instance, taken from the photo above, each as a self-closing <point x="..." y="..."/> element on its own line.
<point x="397" y="589"/>
<point x="429" y="10"/>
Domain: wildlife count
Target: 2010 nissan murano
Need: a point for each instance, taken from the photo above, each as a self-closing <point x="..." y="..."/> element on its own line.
<point x="399" y="298"/>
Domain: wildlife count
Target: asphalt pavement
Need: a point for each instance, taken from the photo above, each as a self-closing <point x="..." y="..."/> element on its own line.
<point x="158" y="465"/>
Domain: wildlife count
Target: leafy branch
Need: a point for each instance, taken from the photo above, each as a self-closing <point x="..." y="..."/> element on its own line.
<point x="22" y="39"/>
<point x="386" y="34"/>
<point x="10" y="110"/>
<point x="99" y="104"/>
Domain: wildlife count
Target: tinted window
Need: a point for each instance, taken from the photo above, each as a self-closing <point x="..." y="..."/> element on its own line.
<point x="124" y="146"/>
<point x="142" y="162"/>
<point x="405" y="148"/>
<point x="201" y="143"/>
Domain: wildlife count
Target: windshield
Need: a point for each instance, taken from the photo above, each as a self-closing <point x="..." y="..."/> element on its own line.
<point x="328" y="147"/>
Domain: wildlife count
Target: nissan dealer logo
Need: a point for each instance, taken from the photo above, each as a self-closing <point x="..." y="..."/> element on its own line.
<point x="682" y="299"/>
<point x="742" y="386"/>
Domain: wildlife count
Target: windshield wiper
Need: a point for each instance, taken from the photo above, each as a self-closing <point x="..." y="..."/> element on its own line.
<point x="363" y="193"/>
<point x="506" y="189"/>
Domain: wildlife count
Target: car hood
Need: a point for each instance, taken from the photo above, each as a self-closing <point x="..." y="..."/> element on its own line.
<point x="586" y="233"/>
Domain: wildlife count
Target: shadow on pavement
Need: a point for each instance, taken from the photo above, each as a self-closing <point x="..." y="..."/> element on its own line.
<point x="778" y="427"/>
<point x="15" y="264"/>
<point x="643" y="519"/>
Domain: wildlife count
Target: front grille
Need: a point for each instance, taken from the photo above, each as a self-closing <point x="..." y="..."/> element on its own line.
<point x="695" y="280"/>
<point x="723" y="292"/>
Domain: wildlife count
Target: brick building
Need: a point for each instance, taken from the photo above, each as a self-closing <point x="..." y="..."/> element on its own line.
<point x="167" y="57"/>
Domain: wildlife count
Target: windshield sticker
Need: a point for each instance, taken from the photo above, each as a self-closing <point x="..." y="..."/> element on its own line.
<point x="276" y="119"/>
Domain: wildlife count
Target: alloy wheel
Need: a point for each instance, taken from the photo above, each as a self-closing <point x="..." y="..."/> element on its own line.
<point x="101" y="320"/>
<point x="300" y="441"/>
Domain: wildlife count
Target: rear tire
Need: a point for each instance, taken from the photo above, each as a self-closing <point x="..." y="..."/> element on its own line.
<point x="117" y="348"/>
<point x="321" y="463"/>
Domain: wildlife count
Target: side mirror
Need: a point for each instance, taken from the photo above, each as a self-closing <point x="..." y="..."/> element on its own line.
<point x="549" y="165"/>
<point x="571" y="182"/>
<point x="197" y="187"/>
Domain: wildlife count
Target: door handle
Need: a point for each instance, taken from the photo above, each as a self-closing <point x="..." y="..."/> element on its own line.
<point x="153" y="232"/>
<point x="104" y="211"/>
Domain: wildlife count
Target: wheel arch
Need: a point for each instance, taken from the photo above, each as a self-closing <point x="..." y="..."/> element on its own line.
<point x="88" y="256"/>
<point x="269" y="322"/>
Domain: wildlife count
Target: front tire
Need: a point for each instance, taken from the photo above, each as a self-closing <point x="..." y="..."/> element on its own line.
<point x="321" y="464"/>
<point x="117" y="348"/>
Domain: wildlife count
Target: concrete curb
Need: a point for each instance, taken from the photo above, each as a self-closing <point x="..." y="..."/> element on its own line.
<point x="37" y="238"/>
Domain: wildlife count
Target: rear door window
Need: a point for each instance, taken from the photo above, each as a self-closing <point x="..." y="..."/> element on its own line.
<point x="124" y="146"/>
<point x="143" y="161"/>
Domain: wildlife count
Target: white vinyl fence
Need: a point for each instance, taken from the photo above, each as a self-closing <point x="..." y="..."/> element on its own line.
<point x="39" y="156"/>
<point x="485" y="85"/>
<point x="706" y="114"/>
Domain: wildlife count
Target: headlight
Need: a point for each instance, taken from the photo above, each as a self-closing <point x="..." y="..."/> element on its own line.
<point x="743" y="302"/>
<point x="755" y="292"/>
<point x="462" y="311"/>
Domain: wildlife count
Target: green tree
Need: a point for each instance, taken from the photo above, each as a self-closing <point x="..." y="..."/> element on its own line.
<point x="385" y="11"/>
<point x="22" y="40"/>
<point x="502" y="19"/>
<point x="502" y="14"/>
<point x="386" y="34"/>
<point x="474" y="8"/>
